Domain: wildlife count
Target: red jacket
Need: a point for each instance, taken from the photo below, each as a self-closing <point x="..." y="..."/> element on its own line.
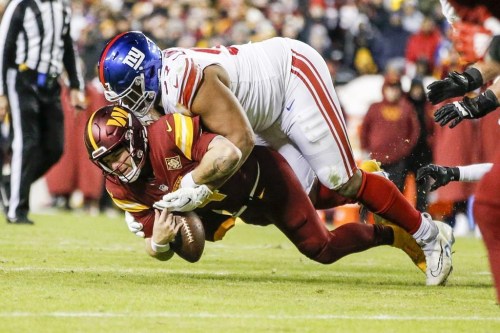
<point x="423" y="46"/>
<point x="389" y="131"/>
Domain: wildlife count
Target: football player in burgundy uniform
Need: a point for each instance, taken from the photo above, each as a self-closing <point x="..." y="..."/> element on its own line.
<point x="281" y="90"/>
<point x="142" y="164"/>
<point x="487" y="200"/>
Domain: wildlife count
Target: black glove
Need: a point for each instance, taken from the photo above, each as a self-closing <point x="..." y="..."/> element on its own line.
<point x="468" y="108"/>
<point x="442" y="175"/>
<point x="456" y="84"/>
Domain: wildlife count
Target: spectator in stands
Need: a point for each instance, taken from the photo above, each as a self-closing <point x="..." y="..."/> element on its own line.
<point x="394" y="39"/>
<point x="422" y="46"/>
<point x="412" y="18"/>
<point x="390" y="130"/>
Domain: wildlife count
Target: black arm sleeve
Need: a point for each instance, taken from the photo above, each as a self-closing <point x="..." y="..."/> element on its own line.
<point x="10" y="27"/>
<point x="494" y="48"/>
<point x="70" y="60"/>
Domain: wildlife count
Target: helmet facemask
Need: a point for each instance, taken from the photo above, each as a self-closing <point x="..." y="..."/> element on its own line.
<point x="135" y="157"/>
<point x="135" y="97"/>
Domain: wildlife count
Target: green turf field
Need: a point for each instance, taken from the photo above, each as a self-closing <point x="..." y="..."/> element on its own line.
<point x="75" y="273"/>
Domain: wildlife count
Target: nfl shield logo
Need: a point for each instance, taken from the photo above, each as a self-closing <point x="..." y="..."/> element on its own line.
<point x="173" y="163"/>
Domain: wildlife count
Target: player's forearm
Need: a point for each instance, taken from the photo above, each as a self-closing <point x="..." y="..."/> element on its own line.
<point x="219" y="163"/>
<point x="222" y="113"/>
<point x="474" y="172"/>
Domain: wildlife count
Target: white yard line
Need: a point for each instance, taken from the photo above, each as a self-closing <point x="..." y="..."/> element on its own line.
<point x="240" y="316"/>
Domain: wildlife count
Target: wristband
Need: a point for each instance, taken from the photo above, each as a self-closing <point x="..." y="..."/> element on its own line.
<point x="187" y="181"/>
<point x="159" y="248"/>
<point x="487" y="101"/>
<point x="474" y="78"/>
<point x="454" y="173"/>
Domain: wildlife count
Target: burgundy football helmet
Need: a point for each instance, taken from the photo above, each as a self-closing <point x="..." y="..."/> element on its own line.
<point x="108" y="132"/>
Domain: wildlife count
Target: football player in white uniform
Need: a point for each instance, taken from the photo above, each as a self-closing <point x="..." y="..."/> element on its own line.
<point x="281" y="90"/>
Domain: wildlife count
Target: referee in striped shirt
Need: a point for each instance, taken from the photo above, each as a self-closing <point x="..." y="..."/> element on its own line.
<point x="35" y="46"/>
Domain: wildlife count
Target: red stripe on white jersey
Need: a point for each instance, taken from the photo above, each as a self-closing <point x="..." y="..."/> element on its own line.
<point x="180" y="96"/>
<point x="192" y="82"/>
<point x="306" y="72"/>
<point x="337" y="110"/>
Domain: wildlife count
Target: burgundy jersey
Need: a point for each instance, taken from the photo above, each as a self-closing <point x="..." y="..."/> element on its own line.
<point x="176" y="145"/>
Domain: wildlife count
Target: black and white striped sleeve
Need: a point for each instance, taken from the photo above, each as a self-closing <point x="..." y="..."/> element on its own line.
<point x="71" y="63"/>
<point x="11" y="25"/>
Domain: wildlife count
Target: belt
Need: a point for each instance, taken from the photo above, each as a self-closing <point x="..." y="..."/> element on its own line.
<point x="43" y="79"/>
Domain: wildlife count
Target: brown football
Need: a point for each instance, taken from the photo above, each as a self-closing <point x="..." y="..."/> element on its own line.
<point x="189" y="242"/>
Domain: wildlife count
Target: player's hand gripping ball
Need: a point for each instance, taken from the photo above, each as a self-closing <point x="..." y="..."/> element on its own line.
<point x="189" y="242"/>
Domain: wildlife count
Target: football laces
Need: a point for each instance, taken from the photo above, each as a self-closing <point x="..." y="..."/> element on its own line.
<point x="186" y="228"/>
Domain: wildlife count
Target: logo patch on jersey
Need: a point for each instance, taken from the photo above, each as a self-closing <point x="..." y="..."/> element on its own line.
<point x="163" y="188"/>
<point x="173" y="163"/>
<point x="134" y="58"/>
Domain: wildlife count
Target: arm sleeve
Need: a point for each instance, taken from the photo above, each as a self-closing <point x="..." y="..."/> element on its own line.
<point x="449" y="12"/>
<point x="474" y="172"/>
<point x="182" y="79"/>
<point x="10" y="26"/>
<point x="494" y="48"/>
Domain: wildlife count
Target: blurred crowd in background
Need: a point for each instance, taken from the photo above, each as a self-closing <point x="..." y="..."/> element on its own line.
<point x="389" y="38"/>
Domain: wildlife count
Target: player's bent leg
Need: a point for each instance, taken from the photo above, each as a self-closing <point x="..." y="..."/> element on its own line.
<point x="313" y="239"/>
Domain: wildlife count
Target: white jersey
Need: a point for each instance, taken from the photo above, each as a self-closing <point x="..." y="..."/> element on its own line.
<point x="285" y="88"/>
<point x="258" y="73"/>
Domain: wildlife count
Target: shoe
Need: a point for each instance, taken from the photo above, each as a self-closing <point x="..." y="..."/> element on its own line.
<point x="20" y="220"/>
<point x="404" y="241"/>
<point x="438" y="253"/>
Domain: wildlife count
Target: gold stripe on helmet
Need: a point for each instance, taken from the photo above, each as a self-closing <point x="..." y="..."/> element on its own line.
<point x="118" y="117"/>
<point x="89" y="131"/>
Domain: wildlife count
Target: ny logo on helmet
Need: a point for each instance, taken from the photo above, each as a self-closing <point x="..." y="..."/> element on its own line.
<point x="134" y="58"/>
